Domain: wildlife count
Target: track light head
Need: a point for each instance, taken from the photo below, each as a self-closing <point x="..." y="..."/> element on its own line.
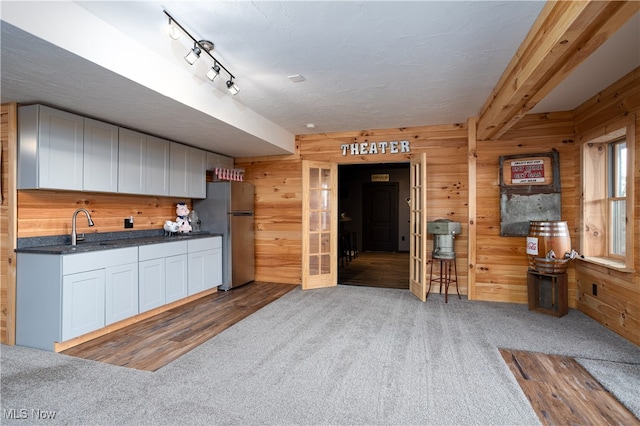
<point x="193" y="55"/>
<point x="172" y="30"/>
<point x="232" y="87"/>
<point x="213" y="72"/>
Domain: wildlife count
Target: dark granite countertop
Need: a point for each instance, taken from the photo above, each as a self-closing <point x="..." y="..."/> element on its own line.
<point x="108" y="241"/>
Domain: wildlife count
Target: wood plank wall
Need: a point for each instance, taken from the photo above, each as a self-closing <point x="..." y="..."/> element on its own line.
<point x="617" y="304"/>
<point x="44" y="212"/>
<point x="501" y="262"/>
<point x="279" y="190"/>
<point x="8" y="140"/>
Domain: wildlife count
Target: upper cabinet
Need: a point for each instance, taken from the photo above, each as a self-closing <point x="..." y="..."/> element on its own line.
<point x="187" y="172"/>
<point x="100" y="156"/>
<point x="60" y="150"/>
<point x="143" y="164"/>
<point x="50" y="153"/>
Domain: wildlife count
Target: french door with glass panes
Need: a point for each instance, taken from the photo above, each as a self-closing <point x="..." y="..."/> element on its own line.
<point x="418" y="224"/>
<point x="319" y="224"/>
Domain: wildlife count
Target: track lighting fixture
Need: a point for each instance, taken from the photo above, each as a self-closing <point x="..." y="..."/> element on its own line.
<point x="233" y="88"/>
<point x="173" y="30"/>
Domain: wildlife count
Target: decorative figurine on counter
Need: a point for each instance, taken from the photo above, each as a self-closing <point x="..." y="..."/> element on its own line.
<point x="183" y="219"/>
<point x="170" y="228"/>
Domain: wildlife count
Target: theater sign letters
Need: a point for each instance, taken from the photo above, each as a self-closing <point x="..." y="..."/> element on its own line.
<point x="366" y="148"/>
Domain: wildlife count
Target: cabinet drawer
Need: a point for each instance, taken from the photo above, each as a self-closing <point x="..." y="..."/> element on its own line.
<point x="74" y="263"/>
<point x="155" y="251"/>
<point x="204" y="244"/>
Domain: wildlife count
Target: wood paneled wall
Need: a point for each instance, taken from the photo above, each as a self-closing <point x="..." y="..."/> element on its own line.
<point x="278" y="184"/>
<point x="42" y="213"/>
<point x="501" y="262"/>
<point x="617" y="304"/>
<point x="8" y="141"/>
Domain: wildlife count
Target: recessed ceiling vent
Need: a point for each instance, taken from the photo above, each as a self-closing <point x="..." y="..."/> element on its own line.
<point x="296" y="78"/>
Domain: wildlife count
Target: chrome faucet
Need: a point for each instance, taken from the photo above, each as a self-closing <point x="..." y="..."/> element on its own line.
<point x="74" y="236"/>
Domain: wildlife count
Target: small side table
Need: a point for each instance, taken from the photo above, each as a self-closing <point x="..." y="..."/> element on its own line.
<point x="547" y="293"/>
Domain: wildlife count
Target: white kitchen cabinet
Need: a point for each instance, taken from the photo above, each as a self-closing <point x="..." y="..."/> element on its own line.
<point x="205" y="264"/>
<point x="151" y="284"/>
<point x="82" y="303"/>
<point x="59" y="297"/>
<point x="131" y="162"/>
<point x="162" y="274"/>
<point x="187" y="172"/>
<point x="100" y="159"/>
<point x="50" y="152"/>
<point x="218" y="161"/>
<point x="157" y="166"/>
<point x="121" y="292"/>
<point x="176" y="285"/>
<point x="143" y="164"/>
<point x="197" y="173"/>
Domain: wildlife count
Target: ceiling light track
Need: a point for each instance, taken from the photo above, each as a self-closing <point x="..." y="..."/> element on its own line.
<point x="200" y="46"/>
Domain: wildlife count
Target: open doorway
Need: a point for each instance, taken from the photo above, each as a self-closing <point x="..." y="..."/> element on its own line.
<point x="374" y="225"/>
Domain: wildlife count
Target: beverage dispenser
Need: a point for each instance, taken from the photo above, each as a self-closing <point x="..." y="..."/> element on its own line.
<point x="444" y="232"/>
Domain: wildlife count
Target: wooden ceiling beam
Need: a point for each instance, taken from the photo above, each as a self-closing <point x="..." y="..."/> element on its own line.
<point x="563" y="36"/>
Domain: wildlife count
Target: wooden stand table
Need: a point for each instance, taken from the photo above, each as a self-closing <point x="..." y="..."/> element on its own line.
<point x="547" y="293"/>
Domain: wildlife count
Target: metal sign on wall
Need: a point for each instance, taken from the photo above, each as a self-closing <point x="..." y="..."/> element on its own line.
<point x="368" y="148"/>
<point x="380" y="177"/>
<point x="529" y="190"/>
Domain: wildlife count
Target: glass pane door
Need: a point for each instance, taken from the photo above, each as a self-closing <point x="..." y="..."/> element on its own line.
<point x="319" y="225"/>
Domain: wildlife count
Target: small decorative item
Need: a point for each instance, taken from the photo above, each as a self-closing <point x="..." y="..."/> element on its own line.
<point x="183" y="220"/>
<point x="170" y="228"/>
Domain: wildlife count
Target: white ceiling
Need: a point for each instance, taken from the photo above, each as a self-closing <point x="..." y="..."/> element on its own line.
<point x="367" y="65"/>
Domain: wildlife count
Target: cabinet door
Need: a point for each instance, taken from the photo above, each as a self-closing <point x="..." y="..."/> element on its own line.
<point x="121" y="292"/>
<point x="60" y="146"/>
<point x="197" y="272"/>
<point x="131" y="162"/>
<point x="100" y="156"/>
<point x="178" y="170"/>
<point x="176" y="283"/>
<point x="82" y="303"/>
<point x="151" y="284"/>
<point x="214" y="260"/>
<point x="157" y="166"/>
<point x="197" y="173"/>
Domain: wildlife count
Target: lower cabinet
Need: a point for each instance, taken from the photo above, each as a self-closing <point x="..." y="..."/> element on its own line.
<point x="205" y="264"/>
<point x="163" y="274"/>
<point x="59" y="297"/>
<point x="121" y="292"/>
<point x="82" y="303"/>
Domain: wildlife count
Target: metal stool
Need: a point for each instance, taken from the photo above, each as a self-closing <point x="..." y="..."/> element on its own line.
<point x="444" y="276"/>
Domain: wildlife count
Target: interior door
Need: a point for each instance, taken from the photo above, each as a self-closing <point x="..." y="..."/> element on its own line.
<point x="319" y="224"/>
<point x="418" y="224"/>
<point x="380" y="216"/>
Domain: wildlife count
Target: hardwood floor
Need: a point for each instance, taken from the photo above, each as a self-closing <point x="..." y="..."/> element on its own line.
<point x="155" y="342"/>
<point x="377" y="269"/>
<point x="561" y="391"/>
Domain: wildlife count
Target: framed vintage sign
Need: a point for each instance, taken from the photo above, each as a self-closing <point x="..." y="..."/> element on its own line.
<point x="529" y="190"/>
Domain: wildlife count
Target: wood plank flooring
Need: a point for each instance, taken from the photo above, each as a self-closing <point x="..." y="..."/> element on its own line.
<point x="377" y="269"/>
<point x="153" y="343"/>
<point x="562" y="392"/>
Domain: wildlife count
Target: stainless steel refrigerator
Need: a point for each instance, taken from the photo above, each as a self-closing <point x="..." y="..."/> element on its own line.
<point x="228" y="210"/>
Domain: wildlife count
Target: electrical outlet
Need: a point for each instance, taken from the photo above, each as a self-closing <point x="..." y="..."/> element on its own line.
<point x="128" y="223"/>
<point x="594" y="289"/>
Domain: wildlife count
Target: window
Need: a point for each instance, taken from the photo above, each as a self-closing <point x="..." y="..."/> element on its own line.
<point x="607" y="199"/>
<point x="617" y="170"/>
